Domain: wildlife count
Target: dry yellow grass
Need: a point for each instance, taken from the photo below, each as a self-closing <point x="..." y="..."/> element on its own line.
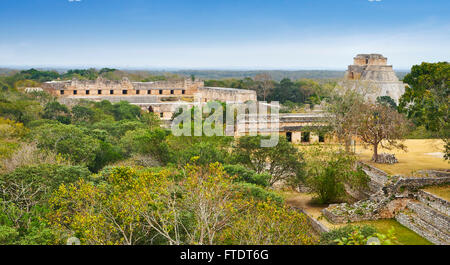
<point x="421" y="154"/>
<point x="441" y="191"/>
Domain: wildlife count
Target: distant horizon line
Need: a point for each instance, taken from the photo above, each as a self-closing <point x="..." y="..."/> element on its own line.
<point x="167" y="69"/>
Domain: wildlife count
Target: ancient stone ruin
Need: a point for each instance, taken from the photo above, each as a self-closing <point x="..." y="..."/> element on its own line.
<point x="160" y="97"/>
<point x="385" y="159"/>
<point x="400" y="198"/>
<point x="371" y="76"/>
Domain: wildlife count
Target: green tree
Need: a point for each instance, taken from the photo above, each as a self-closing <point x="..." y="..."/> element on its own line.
<point x="82" y="114"/>
<point x="387" y="101"/>
<point x="330" y="171"/>
<point x="427" y="96"/>
<point x="23" y="201"/>
<point x="244" y="174"/>
<point x="283" y="161"/>
<point x="57" y="111"/>
<point x="381" y="125"/>
<point x="68" y="140"/>
<point x="123" y="110"/>
<point x="287" y="90"/>
<point x="144" y="141"/>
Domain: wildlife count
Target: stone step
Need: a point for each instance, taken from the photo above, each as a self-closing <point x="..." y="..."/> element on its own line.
<point x="375" y="183"/>
<point x="430" y="215"/>
<point x="421" y="227"/>
<point x="434" y="202"/>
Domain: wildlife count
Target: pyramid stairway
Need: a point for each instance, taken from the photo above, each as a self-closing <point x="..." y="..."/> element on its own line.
<point x="429" y="217"/>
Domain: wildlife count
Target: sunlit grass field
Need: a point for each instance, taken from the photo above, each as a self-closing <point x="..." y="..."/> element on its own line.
<point x="404" y="235"/>
<point x="421" y="154"/>
<point x="441" y="191"/>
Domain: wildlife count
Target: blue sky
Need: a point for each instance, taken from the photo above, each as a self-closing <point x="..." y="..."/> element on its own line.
<point x="221" y="34"/>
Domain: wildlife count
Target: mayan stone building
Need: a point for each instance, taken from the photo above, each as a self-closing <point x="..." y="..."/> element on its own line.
<point x="372" y="76"/>
<point x="165" y="97"/>
<point x="160" y="97"/>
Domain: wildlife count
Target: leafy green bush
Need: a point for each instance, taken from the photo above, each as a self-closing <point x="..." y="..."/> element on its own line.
<point x="207" y="149"/>
<point x="144" y="141"/>
<point x="327" y="177"/>
<point x="42" y="177"/>
<point x="69" y="140"/>
<point x="420" y="132"/>
<point x="283" y="162"/>
<point x="244" y="174"/>
<point x="24" y="195"/>
<point x="8" y="235"/>
<point x="330" y="238"/>
<point x="254" y="191"/>
<point x="40" y="122"/>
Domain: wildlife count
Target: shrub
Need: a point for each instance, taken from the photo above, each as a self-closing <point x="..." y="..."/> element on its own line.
<point x="143" y="141"/>
<point x="329" y="174"/>
<point x="69" y="140"/>
<point x="250" y="190"/>
<point x="29" y="155"/>
<point x="330" y="238"/>
<point x="283" y="162"/>
<point x="244" y="174"/>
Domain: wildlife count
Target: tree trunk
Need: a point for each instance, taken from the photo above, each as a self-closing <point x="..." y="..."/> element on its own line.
<point x="348" y="141"/>
<point x="375" y="153"/>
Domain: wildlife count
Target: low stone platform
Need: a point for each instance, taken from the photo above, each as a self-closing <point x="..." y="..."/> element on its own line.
<point x="427" y="222"/>
<point x="400" y="198"/>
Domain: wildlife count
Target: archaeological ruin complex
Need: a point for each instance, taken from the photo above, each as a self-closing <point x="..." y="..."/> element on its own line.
<point x="160" y="97"/>
<point x="369" y="74"/>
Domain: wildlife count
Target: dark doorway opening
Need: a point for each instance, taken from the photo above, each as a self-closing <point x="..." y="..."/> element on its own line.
<point x="289" y="137"/>
<point x="305" y="137"/>
<point x="150" y="109"/>
<point x="321" y="138"/>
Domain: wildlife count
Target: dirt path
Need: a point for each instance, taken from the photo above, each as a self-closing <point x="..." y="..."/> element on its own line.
<point x="305" y="201"/>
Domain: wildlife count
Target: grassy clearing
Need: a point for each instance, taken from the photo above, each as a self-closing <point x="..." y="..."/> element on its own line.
<point x="441" y="191"/>
<point x="404" y="235"/>
<point x="421" y="154"/>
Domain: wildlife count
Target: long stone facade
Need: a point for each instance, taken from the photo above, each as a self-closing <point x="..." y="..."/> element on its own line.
<point x="298" y="128"/>
<point x="160" y="97"/>
<point x="372" y="76"/>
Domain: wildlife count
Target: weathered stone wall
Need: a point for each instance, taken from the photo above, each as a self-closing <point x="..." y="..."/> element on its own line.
<point x="431" y="216"/>
<point x="405" y="186"/>
<point x="370" y="59"/>
<point x="227" y="94"/>
<point x="434" y="201"/>
<point x="160" y="97"/>
<point x="384" y="202"/>
<point x="371" y="90"/>
<point x="416" y="220"/>
<point x="316" y="225"/>
<point x="110" y="88"/>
